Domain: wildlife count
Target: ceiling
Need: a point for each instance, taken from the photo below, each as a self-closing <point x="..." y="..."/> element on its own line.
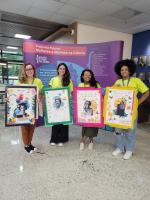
<point x="40" y="18"/>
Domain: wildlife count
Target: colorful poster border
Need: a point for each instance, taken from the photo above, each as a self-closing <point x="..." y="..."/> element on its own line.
<point x="75" y="99"/>
<point x="70" y="121"/>
<point x="134" y="107"/>
<point x="26" y="119"/>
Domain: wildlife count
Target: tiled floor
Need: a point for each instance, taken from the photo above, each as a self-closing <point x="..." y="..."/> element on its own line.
<point x="65" y="173"/>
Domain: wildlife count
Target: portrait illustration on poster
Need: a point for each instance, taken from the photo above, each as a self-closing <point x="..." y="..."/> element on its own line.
<point x="21" y="105"/>
<point x="88" y="106"/>
<point x="57" y="102"/>
<point x="57" y="106"/>
<point x="120" y="107"/>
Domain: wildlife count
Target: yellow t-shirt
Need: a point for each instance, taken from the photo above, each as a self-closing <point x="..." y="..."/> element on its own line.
<point x="135" y="83"/>
<point x="36" y="82"/>
<point x="88" y="85"/>
<point x="56" y="82"/>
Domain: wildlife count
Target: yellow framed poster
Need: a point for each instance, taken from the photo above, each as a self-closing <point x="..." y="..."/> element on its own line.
<point x="120" y="107"/>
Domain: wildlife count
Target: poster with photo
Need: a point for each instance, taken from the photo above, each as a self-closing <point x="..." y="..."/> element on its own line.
<point x="88" y="107"/>
<point x="120" y="107"/>
<point x="21" y="105"/>
<point x="142" y="61"/>
<point x="141" y="75"/>
<point x="135" y="59"/>
<point x="57" y="106"/>
<point x="147" y="76"/>
<point x="148" y="61"/>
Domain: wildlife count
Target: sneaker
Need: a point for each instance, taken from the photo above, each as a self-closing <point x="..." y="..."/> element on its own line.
<point x="33" y="147"/>
<point x="81" y="146"/>
<point x="116" y="152"/>
<point x="60" y="144"/>
<point x="90" y="147"/>
<point x="28" y="149"/>
<point x="118" y="133"/>
<point x="52" y="143"/>
<point x="127" y="155"/>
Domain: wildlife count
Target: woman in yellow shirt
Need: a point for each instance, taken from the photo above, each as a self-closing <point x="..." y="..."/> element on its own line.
<point x="126" y="137"/>
<point x="27" y="75"/>
<point x="88" y="80"/>
<point x="60" y="133"/>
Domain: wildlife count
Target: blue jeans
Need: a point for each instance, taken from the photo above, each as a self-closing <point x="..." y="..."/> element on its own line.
<point x="126" y="138"/>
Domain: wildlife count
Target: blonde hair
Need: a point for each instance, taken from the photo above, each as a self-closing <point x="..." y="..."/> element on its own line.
<point x="22" y="73"/>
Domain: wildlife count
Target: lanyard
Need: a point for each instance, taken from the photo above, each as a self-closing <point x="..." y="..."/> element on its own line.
<point x="127" y="82"/>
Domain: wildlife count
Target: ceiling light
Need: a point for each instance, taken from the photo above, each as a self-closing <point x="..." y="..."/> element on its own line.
<point x="11" y="47"/>
<point x="11" y="52"/>
<point x="4" y="64"/>
<point x="22" y="36"/>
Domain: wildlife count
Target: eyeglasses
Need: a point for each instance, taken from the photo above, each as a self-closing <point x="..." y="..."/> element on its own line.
<point x="28" y="69"/>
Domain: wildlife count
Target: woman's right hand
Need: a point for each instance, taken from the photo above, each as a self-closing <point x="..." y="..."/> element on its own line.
<point x="33" y="121"/>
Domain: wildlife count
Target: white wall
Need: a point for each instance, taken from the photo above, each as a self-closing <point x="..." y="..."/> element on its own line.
<point x="90" y="34"/>
<point x="65" y="39"/>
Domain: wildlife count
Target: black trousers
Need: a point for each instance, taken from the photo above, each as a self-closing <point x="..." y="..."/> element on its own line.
<point x="60" y="133"/>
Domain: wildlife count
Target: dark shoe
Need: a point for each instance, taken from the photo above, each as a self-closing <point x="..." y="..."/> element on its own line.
<point x="28" y="149"/>
<point x="118" y="133"/>
<point x="33" y="147"/>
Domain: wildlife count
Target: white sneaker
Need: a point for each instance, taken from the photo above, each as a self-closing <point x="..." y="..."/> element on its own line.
<point x="52" y="143"/>
<point x="31" y="151"/>
<point x="116" y="152"/>
<point x="33" y="147"/>
<point x="60" y="144"/>
<point x="90" y="147"/>
<point x="127" y="155"/>
<point x="81" y="146"/>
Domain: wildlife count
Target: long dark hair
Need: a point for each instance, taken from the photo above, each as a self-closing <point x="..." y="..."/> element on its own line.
<point x="92" y="82"/>
<point x="66" y="77"/>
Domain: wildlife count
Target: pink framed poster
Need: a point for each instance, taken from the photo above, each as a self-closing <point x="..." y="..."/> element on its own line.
<point x="88" y="104"/>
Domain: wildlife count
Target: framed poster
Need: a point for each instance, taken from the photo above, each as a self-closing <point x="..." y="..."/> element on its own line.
<point x="142" y="61"/>
<point x="21" y="106"/>
<point x="88" y="106"/>
<point x="57" y="106"/>
<point x="120" y="107"/>
<point x="135" y="59"/>
<point x="148" y="61"/>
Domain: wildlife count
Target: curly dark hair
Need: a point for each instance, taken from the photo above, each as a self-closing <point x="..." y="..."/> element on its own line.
<point x="92" y="82"/>
<point x="127" y="62"/>
<point x="66" y="77"/>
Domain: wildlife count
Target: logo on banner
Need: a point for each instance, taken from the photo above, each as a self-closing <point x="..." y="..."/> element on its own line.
<point x="42" y="59"/>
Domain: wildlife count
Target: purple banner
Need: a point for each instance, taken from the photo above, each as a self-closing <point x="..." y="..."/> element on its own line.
<point x="99" y="57"/>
